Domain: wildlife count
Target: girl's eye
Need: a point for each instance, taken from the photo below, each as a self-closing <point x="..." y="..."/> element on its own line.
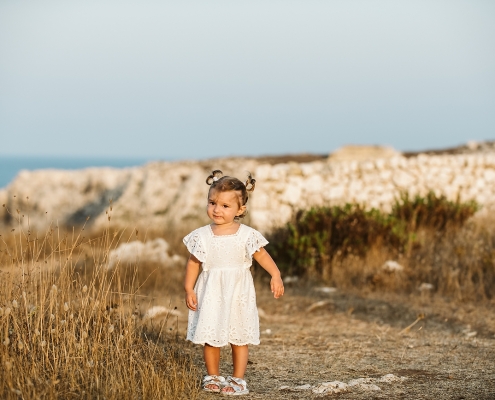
<point x="225" y="206"/>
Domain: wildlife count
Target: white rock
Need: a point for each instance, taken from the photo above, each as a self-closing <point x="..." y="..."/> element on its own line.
<point x="334" y="193"/>
<point x="303" y="387"/>
<point x="331" y="387"/>
<point x="390" y="378"/>
<point x="425" y="287"/>
<point x="134" y="252"/>
<point x="314" y="184"/>
<point x="292" y="194"/>
<point x="403" y="179"/>
<point x="295" y="388"/>
<point x="290" y="279"/>
<point x="392" y="266"/>
<point x="359" y="381"/>
<point x="326" y="289"/>
<point x="161" y="311"/>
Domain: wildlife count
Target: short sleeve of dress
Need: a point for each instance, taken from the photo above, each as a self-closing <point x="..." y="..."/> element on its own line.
<point x="255" y="241"/>
<point x="195" y="245"/>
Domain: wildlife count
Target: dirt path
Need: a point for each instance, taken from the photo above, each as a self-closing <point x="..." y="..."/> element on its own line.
<point x="345" y="337"/>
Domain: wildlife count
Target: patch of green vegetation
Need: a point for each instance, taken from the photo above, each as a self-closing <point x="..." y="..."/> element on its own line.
<point x="321" y="233"/>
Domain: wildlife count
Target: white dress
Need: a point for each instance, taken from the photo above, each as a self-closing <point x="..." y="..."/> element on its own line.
<point x="227" y="311"/>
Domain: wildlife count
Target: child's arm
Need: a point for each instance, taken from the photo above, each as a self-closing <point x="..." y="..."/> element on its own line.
<point x="192" y="272"/>
<point x="266" y="261"/>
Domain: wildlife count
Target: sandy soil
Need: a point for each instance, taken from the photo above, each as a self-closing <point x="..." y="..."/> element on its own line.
<point x="310" y="337"/>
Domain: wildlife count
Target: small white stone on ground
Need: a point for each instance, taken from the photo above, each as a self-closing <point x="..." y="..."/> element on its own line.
<point x="295" y="388"/>
<point x="360" y="381"/>
<point x="392" y="266"/>
<point x="425" y="287"/>
<point x="331" y="387"/>
<point x="161" y="311"/>
<point x="290" y="279"/>
<point x="368" y="387"/>
<point x="303" y="387"/>
<point x="326" y="289"/>
<point x="389" y="378"/>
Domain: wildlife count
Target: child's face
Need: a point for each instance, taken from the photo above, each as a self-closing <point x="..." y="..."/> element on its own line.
<point x="223" y="207"/>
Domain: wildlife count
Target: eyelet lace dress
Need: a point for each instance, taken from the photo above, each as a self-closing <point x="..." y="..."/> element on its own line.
<point x="227" y="311"/>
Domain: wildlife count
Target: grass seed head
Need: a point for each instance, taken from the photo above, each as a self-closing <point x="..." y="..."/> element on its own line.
<point x="15" y="304"/>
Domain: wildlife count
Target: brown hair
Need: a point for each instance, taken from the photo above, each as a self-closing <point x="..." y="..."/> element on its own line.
<point x="227" y="183"/>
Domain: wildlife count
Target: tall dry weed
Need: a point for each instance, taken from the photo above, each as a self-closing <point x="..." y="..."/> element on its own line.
<point x="68" y="329"/>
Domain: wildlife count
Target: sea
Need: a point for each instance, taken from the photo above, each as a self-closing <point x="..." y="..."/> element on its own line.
<point x="11" y="165"/>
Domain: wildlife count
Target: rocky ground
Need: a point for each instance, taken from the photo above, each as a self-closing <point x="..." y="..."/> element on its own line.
<point x="311" y="337"/>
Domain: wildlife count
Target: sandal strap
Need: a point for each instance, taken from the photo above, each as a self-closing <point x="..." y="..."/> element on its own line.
<point x="237" y="384"/>
<point x="213" y="379"/>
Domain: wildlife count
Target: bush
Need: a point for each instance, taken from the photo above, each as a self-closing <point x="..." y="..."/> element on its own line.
<point x="316" y="237"/>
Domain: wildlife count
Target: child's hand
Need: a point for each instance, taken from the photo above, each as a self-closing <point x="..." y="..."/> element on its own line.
<point x="191" y="300"/>
<point x="277" y="286"/>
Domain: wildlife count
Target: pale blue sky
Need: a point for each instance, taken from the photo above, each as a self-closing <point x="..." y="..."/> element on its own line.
<point x="198" y="79"/>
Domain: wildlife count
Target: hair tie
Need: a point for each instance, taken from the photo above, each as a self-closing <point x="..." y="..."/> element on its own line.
<point x="215" y="179"/>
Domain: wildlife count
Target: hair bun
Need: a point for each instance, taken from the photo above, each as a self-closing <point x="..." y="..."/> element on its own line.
<point x="215" y="176"/>
<point x="250" y="183"/>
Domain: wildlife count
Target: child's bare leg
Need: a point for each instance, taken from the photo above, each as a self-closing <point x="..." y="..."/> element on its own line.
<point x="212" y="360"/>
<point x="239" y="360"/>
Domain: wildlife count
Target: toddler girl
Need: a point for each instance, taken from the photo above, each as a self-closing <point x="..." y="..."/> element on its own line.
<point x="222" y="300"/>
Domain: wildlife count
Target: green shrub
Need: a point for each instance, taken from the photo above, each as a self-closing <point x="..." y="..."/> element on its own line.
<point x="432" y="212"/>
<point x="316" y="236"/>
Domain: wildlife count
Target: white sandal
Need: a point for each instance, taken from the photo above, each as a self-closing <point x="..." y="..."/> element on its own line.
<point x="215" y="380"/>
<point x="239" y="385"/>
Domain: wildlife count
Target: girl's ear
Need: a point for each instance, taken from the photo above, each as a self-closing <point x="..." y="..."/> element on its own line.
<point x="241" y="210"/>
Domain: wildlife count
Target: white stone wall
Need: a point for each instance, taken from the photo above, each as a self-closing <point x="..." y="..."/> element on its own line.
<point x="166" y="195"/>
<point x="284" y="188"/>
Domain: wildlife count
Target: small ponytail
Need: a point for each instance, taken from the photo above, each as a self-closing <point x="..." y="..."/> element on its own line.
<point x="250" y="183"/>
<point x="215" y="176"/>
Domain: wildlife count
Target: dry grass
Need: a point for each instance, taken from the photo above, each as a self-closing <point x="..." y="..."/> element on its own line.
<point x="459" y="265"/>
<point x="69" y="328"/>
